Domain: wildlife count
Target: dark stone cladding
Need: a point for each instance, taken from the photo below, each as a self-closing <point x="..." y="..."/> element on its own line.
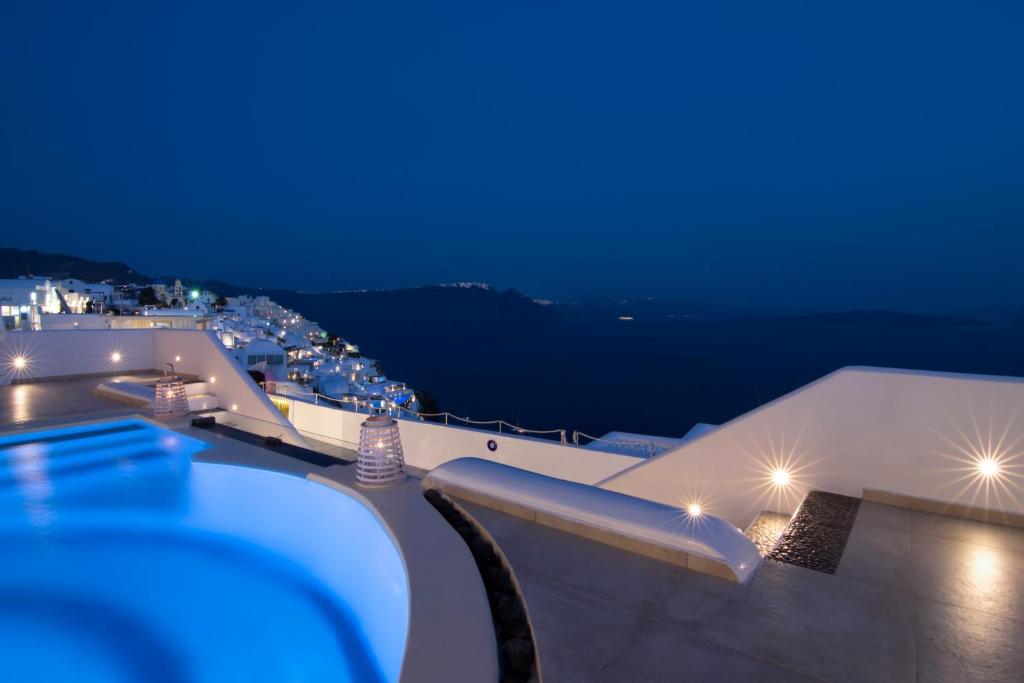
<point x="516" y="652"/>
<point x="817" y="535"/>
<point x="299" y="453"/>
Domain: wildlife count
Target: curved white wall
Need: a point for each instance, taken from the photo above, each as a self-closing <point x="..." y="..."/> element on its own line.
<point x="332" y="535"/>
<point x="203" y="355"/>
<point x="918" y="434"/>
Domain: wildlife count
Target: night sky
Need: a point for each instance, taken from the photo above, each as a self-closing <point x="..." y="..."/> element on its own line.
<point x="820" y="154"/>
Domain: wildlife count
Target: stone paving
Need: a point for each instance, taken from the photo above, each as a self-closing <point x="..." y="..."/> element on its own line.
<point x="71" y="400"/>
<point x="916" y="597"/>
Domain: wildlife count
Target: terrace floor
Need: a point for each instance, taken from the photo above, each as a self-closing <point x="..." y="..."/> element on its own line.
<point x="917" y="597"/>
<point x="68" y="400"/>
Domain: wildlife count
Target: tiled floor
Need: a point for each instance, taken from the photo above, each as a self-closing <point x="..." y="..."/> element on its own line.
<point x="917" y="597"/>
<point x="65" y="400"/>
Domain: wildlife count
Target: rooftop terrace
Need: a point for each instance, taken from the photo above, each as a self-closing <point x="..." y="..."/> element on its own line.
<point x="916" y="597"/>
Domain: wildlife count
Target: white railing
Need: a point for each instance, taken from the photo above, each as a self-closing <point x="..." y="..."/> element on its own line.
<point x="648" y="448"/>
<point x="501" y="426"/>
<point x="427" y="444"/>
<point x="644" y="449"/>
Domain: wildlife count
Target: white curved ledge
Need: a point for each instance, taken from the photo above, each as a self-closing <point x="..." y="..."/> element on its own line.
<point x="704" y="542"/>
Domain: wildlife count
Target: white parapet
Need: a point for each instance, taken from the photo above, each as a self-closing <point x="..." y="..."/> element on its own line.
<point x="65" y="354"/>
<point x="950" y="439"/>
<point x="703" y="542"/>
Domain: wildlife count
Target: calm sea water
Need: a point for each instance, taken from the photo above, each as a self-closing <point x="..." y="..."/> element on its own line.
<point x="660" y="377"/>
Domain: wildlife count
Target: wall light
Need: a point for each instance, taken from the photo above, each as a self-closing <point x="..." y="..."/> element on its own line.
<point x="213" y="380"/>
<point x="234" y="407"/>
<point x="115" y="357"/>
<point x="988" y="467"/>
<point x="780" y="477"/>
<point x="177" y="359"/>
<point x="694" y="510"/>
<point x="19" y="362"/>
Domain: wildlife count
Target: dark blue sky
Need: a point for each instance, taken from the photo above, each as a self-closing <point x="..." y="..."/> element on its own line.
<point x="810" y="153"/>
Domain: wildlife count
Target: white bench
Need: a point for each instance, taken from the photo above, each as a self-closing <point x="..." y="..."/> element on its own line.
<point x="704" y="543"/>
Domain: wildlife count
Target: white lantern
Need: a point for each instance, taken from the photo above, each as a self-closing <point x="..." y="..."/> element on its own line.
<point x="380" y="462"/>
<point x="170" y="399"/>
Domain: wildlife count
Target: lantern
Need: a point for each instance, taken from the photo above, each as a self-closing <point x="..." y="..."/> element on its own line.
<point x="380" y="462"/>
<point x="170" y="399"/>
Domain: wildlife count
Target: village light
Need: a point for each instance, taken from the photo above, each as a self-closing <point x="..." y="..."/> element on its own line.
<point x="380" y="461"/>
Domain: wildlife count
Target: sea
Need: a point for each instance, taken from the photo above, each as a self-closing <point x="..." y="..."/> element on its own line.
<point x="657" y="377"/>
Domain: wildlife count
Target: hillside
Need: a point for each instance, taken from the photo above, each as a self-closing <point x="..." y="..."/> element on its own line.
<point x="423" y="306"/>
<point x="649" y="309"/>
<point x="17" y="262"/>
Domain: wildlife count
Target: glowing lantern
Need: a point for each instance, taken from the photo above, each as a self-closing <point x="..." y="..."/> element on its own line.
<point x="170" y="399"/>
<point x="380" y="461"/>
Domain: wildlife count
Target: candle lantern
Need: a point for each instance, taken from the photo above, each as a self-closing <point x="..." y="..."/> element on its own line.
<point x="170" y="399"/>
<point x="380" y="461"/>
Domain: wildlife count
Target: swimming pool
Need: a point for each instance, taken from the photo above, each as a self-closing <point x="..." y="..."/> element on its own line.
<point x="125" y="560"/>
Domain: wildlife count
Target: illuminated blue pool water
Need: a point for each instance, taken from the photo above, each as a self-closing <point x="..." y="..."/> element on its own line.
<point x="124" y="560"/>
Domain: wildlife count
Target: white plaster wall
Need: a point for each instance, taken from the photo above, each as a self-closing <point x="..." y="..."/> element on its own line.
<point x="202" y="355"/>
<point x="427" y="445"/>
<point x="59" y="353"/>
<point x="914" y="433"/>
<point x="72" y="321"/>
<point x="66" y="353"/>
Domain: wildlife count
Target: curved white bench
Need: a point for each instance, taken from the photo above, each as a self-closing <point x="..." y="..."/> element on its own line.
<point x="704" y="543"/>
